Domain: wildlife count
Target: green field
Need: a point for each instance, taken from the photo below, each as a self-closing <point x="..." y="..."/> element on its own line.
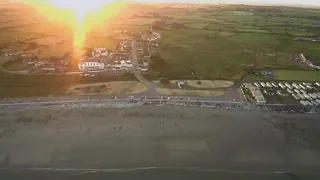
<point x="225" y="44"/>
<point x="12" y="85"/>
<point x="290" y="75"/>
<point x="297" y="75"/>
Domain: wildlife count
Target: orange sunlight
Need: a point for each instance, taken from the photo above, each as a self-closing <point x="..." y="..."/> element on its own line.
<point x="81" y="15"/>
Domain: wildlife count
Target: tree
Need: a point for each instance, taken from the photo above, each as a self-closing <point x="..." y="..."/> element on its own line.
<point x="199" y="82"/>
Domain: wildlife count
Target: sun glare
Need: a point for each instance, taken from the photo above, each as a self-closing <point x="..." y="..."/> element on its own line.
<point x="81" y="15"/>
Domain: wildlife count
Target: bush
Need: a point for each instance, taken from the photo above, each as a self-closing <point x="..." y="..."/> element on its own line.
<point x="199" y="82"/>
<point x="77" y="88"/>
<point x="103" y="86"/>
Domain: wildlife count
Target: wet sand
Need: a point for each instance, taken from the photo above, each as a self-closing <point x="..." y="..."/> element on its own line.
<point x="159" y="136"/>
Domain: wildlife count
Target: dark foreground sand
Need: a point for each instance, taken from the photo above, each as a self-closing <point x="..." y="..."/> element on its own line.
<point x="159" y="136"/>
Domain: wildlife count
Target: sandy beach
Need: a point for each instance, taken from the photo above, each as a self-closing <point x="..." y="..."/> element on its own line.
<point x="159" y="137"/>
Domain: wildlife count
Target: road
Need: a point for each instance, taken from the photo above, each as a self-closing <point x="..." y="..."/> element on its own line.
<point x="151" y="87"/>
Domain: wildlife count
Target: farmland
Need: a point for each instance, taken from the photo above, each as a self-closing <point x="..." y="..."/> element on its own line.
<point x="225" y="44"/>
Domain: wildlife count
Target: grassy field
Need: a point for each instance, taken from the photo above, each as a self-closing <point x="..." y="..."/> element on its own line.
<point x="225" y="44"/>
<point x="12" y="85"/>
<point x="297" y="75"/>
<point x="56" y="50"/>
<point x="290" y="75"/>
<point x="107" y="43"/>
<point x="183" y="92"/>
<point x="209" y="83"/>
<point x="109" y="88"/>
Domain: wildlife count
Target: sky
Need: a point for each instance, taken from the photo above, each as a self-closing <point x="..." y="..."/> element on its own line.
<point x="302" y="2"/>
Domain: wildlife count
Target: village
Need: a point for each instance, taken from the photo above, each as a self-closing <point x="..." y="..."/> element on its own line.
<point x="86" y="61"/>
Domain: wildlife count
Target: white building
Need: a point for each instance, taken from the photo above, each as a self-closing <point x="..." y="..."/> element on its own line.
<point x="282" y="86"/>
<point x="268" y="84"/>
<point x="302" y="86"/>
<point x="302" y="57"/>
<point x="274" y="85"/>
<point x="97" y="52"/>
<point x="300" y="96"/>
<point x="263" y="84"/>
<point x="312" y="96"/>
<point x="256" y="84"/>
<point x="91" y="64"/>
<point x="288" y="85"/>
<point x="295" y="85"/>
